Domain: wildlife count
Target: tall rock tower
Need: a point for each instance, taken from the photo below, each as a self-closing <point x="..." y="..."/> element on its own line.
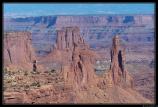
<point x="118" y="61"/>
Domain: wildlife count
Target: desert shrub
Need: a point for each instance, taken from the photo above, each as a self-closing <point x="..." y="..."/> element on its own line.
<point x="36" y="84"/>
<point x="49" y="73"/>
<point x="52" y="71"/>
<point x="33" y="84"/>
<point x="25" y="73"/>
<point x="26" y="86"/>
<point x="9" y="80"/>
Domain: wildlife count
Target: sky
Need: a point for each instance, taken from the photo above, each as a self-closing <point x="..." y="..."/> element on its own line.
<point x="34" y="9"/>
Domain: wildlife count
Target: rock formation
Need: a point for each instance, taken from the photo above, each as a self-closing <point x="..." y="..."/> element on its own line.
<point x="77" y="58"/>
<point x="78" y="61"/>
<point x="77" y="82"/>
<point x="118" y="63"/>
<point x="68" y="38"/>
<point x="17" y="49"/>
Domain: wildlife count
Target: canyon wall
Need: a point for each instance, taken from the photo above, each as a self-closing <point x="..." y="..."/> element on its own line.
<point x="103" y="20"/>
<point x="97" y="30"/>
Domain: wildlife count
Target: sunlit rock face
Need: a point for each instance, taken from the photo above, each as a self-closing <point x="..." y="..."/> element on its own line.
<point x="17" y="49"/>
<point x="118" y="63"/>
<point x="76" y="54"/>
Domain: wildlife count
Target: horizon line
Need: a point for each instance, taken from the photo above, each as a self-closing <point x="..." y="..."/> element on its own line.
<point x="79" y="15"/>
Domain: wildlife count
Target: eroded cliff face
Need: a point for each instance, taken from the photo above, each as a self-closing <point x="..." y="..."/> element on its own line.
<point x="103" y="20"/>
<point x="97" y="30"/>
<point x="17" y="49"/>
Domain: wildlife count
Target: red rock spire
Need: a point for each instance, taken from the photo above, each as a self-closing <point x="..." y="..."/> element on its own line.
<point x="118" y="60"/>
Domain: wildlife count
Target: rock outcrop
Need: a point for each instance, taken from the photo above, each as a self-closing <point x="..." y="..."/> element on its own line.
<point x="118" y="64"/>
<point x="75" y="56"/>
<point x="81" y="69"/>
<point x="17" y="49"/>
<point x="68" y="38"/>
